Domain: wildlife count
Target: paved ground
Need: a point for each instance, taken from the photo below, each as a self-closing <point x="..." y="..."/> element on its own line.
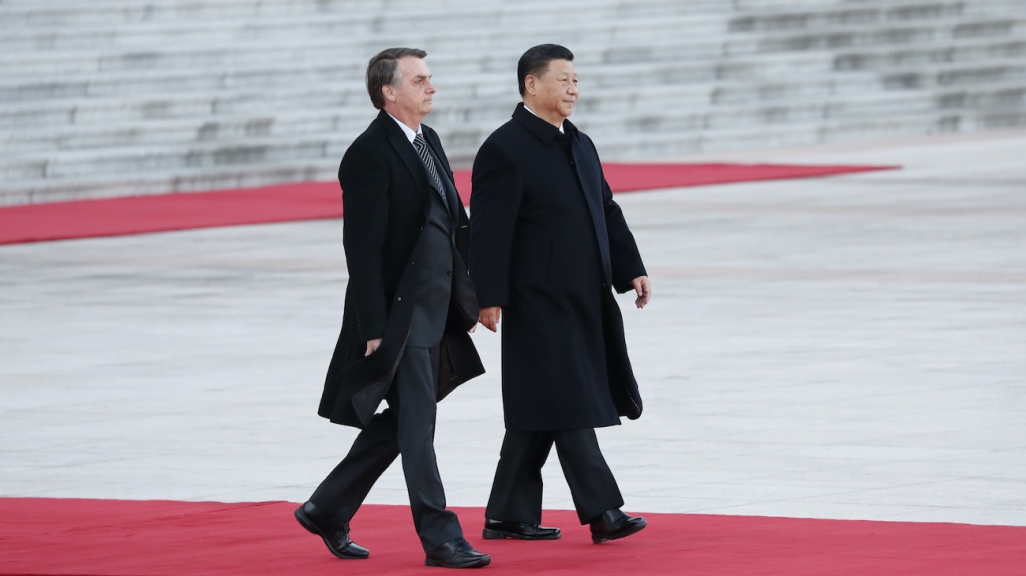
<point x="850" y="347"/>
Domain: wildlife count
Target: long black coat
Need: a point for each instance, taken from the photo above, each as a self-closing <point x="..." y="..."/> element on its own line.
<point x="385" y="199"/>
<point x="548" y="243"/>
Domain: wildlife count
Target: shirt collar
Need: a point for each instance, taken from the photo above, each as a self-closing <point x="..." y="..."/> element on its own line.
<point x="536" y="114"/>
<point x="410" y="132"/>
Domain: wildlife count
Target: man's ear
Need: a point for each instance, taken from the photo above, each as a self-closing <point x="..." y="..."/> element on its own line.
<point x="388" y="92"/>
<point x="530" y="84"/>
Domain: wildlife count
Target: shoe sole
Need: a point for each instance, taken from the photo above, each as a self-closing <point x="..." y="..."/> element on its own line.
<point x="479" y="563"/>
<point x="632" y="530"/>
<point x="491" y="534"/>
<point x="306" y="523"/>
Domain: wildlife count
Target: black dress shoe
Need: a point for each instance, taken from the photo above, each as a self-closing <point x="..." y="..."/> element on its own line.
<point x="457" y="553"/>
<point x="613" y="524"/>
<point x="334" y="533"/>
<point x="498" y="529"/>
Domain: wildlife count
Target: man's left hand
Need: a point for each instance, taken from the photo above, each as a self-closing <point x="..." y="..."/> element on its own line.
<point x="643" y="286"/>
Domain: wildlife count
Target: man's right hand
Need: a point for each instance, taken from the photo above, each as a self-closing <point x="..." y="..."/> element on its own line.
<point x="372" y="345"/>
<point x="490" y="317"/>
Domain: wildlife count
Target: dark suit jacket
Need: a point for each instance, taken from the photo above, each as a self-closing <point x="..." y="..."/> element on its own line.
<point x="548" y="245"/>
<point x="386" y="198"/>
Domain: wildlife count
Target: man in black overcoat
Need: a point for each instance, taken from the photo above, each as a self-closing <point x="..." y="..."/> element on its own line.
<point x="408" y="308"/>
<point x="547" y="247"/>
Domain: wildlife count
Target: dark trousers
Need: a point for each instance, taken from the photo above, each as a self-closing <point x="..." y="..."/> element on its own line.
<point x="406" y="427"/>
<point x="517" y="490"/>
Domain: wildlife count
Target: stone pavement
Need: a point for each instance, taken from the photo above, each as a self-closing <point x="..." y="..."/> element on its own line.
<point x="849" y="347"/>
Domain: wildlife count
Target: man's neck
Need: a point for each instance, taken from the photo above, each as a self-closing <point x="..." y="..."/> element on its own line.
<point x="554" y="119"/>
<point x="413" y="123"/>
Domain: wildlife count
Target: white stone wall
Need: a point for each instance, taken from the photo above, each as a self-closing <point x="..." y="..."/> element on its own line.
<point x="118" y="97"/>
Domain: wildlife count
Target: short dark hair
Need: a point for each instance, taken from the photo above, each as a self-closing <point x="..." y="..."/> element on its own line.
<point x="535" y="61"/>
<point x="383" y="70"/>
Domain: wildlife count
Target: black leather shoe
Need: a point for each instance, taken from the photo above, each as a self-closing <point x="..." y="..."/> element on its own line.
<point x="614" y="524"/>
<point x="457" y="553"/>
<point x="498" y="529"/>
<point x="334" y="533"/>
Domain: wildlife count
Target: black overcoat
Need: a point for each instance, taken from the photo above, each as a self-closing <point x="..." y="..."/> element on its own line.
<point x="385" y="199"/>
<point x="548" y="244"/>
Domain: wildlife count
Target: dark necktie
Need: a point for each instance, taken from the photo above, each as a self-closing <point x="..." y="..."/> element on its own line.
<point x="429" y="163"/>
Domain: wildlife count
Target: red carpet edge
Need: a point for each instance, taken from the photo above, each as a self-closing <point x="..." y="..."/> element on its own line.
<point x="51" y="536"/>
<point x="319" y="200"/>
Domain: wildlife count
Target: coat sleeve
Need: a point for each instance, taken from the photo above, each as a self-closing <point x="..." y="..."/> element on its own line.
<point x="364" y="177"/>
<point x="623" y="250"/>
<point x="496" y="191"/>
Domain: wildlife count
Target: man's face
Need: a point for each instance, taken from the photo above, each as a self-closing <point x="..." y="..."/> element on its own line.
<point x="556" y="89"/>
<point x="413" y="96"/>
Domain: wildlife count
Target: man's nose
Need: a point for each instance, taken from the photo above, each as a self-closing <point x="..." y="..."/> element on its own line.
<point x="431" y="87"/>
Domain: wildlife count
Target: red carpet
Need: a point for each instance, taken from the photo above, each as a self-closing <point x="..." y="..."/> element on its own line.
<point x="316" y="200"/>
<point x="90" y="537"/>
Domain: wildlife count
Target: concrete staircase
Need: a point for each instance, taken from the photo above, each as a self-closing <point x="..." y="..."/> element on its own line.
<point x="117" y="97"/>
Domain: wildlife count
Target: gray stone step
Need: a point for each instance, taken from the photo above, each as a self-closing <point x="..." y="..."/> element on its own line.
<point x="497" y="33"/>
<point x="115" y="108"/>
<point x="266" y="77"/>
<point x="233" y="100"/>
<point x="857" y="36"/>
<point x="40" y="14"/>
<point x="198" y="155"/>
<point x="316" y="52"/>
<point x="817" y="13"/>
<point x="419" y="20"/>
<point x="632" y="146"/>
<point x="997" y="70"/>
<point x="651" y="147"/>
<point x="597" y="77"/>
<point x="637" y="113"/>
<point x="206" y="94"/>
<point x="161" y="182"/>
<point x="263" y="75"/>
<point x="227" y="130"/>
<point x="960" y="51"/>
<point x="826" y="15"/>
<point x="55" y="116"/>
<point x="211" y="45"/>
<point x="957" y="101"/>
<point x="231" y="126"/>
<point x="919" y="79"/>
<point x="243" y="141"/>
<point x="445" y="54"/>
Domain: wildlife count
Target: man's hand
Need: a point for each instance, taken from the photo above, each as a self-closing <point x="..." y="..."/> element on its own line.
<point x="372" y="345"/>
<point x="490" y="317"/>
<point x="643" y="286"/>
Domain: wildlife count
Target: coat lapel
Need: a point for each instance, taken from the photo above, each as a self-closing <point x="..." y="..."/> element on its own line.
<point x="436" y="146"/>
<point x="589" y="174"/>
<point x="402" y="146"/>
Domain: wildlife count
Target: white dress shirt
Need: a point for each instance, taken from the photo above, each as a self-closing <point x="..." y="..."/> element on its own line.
<point x="410" y="132"/>
<point x="536" y="114"/>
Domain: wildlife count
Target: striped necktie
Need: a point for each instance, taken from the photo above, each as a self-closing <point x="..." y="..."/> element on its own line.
<point x="429" y="163"/>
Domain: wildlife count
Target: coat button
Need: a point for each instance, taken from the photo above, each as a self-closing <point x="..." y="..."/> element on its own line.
<point x="449" y="272"/>
<point x="399" y="299"/>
